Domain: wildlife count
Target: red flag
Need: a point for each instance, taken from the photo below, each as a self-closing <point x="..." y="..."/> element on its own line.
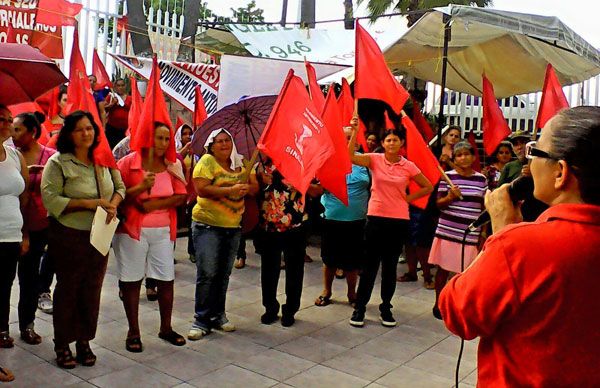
<point x="553" y="98"/>
<point x="421" y="123"/>
<point x="295" y="137"/>
<point x="373" y="79"/>
<point x="495" y="128"/>
<point x="154" y="110"/>
<point x="79" y="97"/>
<point x="179" y="122"/>
<point x="388" y="122"/>
<point x="477" y="161"/>
<point x="313" y="87"/>
<point x="199" y="108"/>
<point x="332" y="174"/>
<point x="135" y="111"/>
<point x="99" y="71"/>
<point x="419" y="153"/>
<point x="57" y="12"/>
<point x="346" y="104"/>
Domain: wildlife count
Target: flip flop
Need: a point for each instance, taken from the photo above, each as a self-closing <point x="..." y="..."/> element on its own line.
<point x="323" y="300"/>
<point x="134" y="345"/>
<point x="6" y="375"/>
<point x="173" y="338"/>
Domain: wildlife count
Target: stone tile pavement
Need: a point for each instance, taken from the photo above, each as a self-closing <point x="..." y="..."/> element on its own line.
<point x="320" y="350"/>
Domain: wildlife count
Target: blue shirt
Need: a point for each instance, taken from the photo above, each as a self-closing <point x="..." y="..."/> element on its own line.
<point x="358" y="198"/>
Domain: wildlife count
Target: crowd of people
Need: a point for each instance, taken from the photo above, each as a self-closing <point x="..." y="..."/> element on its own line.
<point x="49" y="195"/>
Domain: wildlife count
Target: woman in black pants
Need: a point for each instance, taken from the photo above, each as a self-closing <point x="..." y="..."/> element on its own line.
<point x="387" y="218"/>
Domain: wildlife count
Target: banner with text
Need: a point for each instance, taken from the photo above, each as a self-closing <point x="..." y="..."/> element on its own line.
<point x="18" y="25"/>
<point x="179" y="79"/>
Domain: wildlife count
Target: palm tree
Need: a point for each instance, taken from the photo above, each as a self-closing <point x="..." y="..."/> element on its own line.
<point x="416" y="7"/>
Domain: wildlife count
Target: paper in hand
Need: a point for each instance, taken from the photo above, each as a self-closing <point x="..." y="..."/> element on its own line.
<point x="102" y="233"/>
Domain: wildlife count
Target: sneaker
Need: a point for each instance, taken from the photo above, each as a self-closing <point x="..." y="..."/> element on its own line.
<point x="196" y="333"/>
<point x="45" y="303"/>
<point x="387" y="319"/>
<point x="226" y="327"/>
<point x="358" y="318"/>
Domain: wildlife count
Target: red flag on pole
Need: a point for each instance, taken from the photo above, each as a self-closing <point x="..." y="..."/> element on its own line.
<point x="495" y="128"/>
<point x="57" y="12"/>
<point x="99" y="71"/>
<point x="135" y="111"/>
<point x="199" y="108"/>
<point x="154" y="111"/>
<point x="313" y="87"/>
<point x="419" y="153"/>
<point x="553" y="98"/>
<point x="179" y="122"/>
<point x="332" y="174"/>
<point x="79" y="97"/>
<point x="477" y="160"/>
<point x="373" y="79"/>
<point x="295" y="137"/>
<point x="346" y="106"/>
<point x="421" y="123"/>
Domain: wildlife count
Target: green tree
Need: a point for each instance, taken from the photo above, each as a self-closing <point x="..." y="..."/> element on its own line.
<point x="379" y="7"/>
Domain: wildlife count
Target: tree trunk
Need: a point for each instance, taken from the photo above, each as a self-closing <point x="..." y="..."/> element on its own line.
<point x="348" y="15"/>
<point x="191" y="14"/>
<point x="138" y="22"/>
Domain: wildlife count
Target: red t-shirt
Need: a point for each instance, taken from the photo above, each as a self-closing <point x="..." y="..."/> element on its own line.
<point x="388" y="190"/>
<point x="117" y="114"/>
<point x="533" y="296"/>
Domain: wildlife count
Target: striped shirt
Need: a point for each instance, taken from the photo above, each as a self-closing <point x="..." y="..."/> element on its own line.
<point x="455" y="219"/>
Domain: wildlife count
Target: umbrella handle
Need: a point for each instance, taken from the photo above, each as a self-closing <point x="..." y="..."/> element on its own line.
<point x="246" y="176"/>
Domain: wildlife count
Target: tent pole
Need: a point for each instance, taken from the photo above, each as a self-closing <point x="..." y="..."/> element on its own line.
<point x="447" y="36"/>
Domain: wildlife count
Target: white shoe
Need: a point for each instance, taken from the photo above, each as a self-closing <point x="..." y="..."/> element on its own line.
<point x="227" y="327"/>
<point x="45" y="303"/>
<point x="196" y="333"/>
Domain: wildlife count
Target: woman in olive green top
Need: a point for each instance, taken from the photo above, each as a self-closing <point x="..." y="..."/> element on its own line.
<point x="72" y="189"/>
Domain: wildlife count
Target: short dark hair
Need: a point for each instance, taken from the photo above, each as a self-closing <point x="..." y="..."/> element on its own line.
<point x="506" y="144"/>
<point x="401" y="133"/>
<point x="64" y="143"/>
<point x="32" y="121"/>
<point x="62" y="89"/>
<point x="576" y="140"/>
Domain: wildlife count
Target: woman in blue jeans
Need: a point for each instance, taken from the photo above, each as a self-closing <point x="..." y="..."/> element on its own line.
<point x="219" y="179"/>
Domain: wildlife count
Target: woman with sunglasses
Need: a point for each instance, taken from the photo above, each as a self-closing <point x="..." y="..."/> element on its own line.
<point x="531" y="295"/>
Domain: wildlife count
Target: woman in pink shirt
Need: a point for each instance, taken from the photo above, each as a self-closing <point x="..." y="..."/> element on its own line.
<point x="387" y="218"/>
<point x="145" y="241"/>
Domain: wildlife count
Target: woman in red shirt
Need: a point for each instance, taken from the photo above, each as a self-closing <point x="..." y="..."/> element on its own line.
<point x="387" y="218"/>
<point x="145" y="241"/>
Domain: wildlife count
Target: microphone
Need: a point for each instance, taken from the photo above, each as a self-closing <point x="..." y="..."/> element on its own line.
<point x="519" y="189"/>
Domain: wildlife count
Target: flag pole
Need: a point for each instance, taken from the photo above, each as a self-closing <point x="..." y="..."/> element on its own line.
<point x="307" y="79"/>
<point x="447" y="37"/>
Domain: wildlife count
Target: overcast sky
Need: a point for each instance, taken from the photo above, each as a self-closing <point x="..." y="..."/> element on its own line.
<point x="579" y="15"/>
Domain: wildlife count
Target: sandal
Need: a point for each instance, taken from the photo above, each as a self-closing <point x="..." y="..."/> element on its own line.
<point x="134" y="345"/>
<point x="31" y="337"/>
<point x="64" y="358"/>
<point x="173" y="338"/>
<point x="240" y="263"/>
<point x="85" y="356"/>
<point x="6" y="341"/>
<point x="151" y="294"/>
<point x="408" y="277"/>
<point x="323" y="300"/>
<point x="339" y="274"/>
<point x="6" y="375"/>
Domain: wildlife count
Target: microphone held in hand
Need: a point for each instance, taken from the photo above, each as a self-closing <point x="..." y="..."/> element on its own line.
<point x="519" y="189"/>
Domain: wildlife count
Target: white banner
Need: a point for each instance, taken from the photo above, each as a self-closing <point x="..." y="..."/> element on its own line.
<point x="249" y="76"/>
<point x="179" y="79"/>
<point x="316" y="45"/>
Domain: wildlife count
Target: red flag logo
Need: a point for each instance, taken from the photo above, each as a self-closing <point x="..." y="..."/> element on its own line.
<point x="295" y="137"/>
<point x="495" y="128"/>
<point x="553" y="98"/>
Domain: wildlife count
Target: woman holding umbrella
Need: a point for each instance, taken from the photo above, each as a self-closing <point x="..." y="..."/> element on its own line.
<point x="219" y="179"/>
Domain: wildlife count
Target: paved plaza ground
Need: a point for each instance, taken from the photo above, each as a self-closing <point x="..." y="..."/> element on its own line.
<point x="320" y="350"/>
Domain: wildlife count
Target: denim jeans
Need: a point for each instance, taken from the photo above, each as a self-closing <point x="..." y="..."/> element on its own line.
<point x="215" y="253"/>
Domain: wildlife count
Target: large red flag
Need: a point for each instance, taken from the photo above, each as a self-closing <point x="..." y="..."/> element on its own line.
<point x="419" y="153"/>
<point x="135" y="111"/>
<point x="99" y="71"/>
<point x="495" y="128"/>
<point x="373" y="79"/>
<point x="154" y="110"/>
<point x="57" y="12"/>
<point x="421" y="123"/>
<point x="332" y="174"/>
<point x="553" y="98"/>
<point x="295" y="137"/>
<point x="79" y="97"/>
<point x="346" y="106"/>
<point x="199" y="109"/>
<point x="316" y="94"/>
<point x="477" y="161"/>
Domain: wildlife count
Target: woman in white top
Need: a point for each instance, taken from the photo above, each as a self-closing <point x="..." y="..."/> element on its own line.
<point x="13" y="196"/>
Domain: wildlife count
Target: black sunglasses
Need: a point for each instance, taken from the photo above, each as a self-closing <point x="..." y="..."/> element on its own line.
<point x="531" y="151"/>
